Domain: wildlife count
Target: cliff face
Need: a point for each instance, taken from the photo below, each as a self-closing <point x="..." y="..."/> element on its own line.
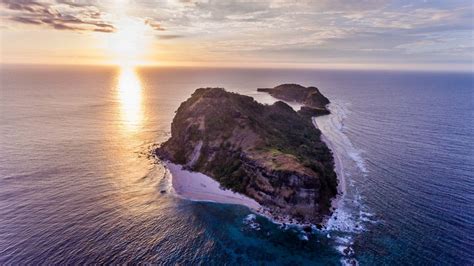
<point x="313" y="100"/>
<point x="267" y="152"/>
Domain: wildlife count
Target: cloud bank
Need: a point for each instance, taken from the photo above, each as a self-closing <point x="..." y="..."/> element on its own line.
<point x="302" y="31"/>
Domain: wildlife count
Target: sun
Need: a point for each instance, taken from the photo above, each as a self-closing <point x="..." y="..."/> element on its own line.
<point x="130" y="43"/>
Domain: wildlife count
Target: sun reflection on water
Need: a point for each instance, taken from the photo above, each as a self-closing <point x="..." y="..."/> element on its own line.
<point x="129" y="89"/>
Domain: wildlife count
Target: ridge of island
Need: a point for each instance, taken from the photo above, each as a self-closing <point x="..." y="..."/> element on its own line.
<point x="269" y="153"/>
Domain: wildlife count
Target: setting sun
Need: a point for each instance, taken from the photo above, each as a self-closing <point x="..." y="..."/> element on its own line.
<point x="129" y="44"/>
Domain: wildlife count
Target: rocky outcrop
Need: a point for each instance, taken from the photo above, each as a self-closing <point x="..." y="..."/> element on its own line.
<point x="313" y="100"/>
<point x="311" y="112"/>
<point x="267" y="152"/>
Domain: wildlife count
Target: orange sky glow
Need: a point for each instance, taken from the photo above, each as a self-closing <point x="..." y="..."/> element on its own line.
<point x="237" y="34"/>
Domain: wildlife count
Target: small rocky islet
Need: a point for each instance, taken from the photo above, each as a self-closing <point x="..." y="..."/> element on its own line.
<point x="314" y="102"/>
<point x="269" y="153"/>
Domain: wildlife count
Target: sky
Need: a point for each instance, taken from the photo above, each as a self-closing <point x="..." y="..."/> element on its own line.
<point x="372" y="34"/>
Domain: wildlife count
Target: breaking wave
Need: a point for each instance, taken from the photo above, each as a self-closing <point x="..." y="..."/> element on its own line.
<point x="351" y="215"/>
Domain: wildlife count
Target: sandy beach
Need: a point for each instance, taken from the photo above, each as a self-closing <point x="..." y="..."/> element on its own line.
<point x="341" y="186"/>
<point x="200" y="187"/>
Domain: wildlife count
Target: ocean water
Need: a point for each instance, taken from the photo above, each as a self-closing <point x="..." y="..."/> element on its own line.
<point x="78" y="184"/>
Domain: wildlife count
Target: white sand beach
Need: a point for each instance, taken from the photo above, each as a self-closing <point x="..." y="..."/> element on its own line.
<point x="200" y="187"/>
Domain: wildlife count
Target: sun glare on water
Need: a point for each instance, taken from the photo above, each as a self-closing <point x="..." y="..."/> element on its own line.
<point x="128" y="46"/>
<point x="129" y="91"/>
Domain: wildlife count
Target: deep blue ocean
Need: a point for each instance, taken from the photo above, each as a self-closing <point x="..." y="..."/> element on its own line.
<point x="78" y="184"/>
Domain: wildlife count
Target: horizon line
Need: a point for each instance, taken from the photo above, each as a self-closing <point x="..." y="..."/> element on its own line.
<point x="282" y="66"/>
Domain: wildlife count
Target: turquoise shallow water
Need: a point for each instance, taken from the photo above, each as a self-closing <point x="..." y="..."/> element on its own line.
<point x="77" y="184"/>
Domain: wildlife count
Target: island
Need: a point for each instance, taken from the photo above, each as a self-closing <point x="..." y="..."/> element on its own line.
<point x="314" y="102"/>
<point x="270" y="153"/>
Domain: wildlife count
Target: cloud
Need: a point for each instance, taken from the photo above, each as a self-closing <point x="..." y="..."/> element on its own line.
<point x="26" y="20"/>
<point x="301" y="30"/>
<point x="169" y="36"/>
<point x="154" y="25"/>
<point x="60" y="15"/>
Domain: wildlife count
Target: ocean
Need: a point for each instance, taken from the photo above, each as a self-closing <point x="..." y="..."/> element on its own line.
<point x="78" y="183"/>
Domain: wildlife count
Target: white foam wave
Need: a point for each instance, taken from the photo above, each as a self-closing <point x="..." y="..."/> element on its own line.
<point x="303" y="237"/>
<point x="343" y="221"/>
<point x="250" y="220"/>
<point x="356" y="156"/>
<point x="347" y="158"/>
<point x="349" y="262"/>
<point x="344" y="245"/>
<point x="350" y="216"/>
<point x="333" y="127"/>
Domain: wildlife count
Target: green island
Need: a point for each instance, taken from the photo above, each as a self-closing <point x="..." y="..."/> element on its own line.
<point x="270" y="153"/>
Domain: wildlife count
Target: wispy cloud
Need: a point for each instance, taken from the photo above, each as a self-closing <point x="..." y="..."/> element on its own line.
<point x="322" y="31"/>
<point x="169" y="36"/>
<point x="60" y="15"/>
<point x="154" y="24"/>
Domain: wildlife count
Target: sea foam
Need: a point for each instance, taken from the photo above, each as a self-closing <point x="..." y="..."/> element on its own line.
<point x="350" y="216"/>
